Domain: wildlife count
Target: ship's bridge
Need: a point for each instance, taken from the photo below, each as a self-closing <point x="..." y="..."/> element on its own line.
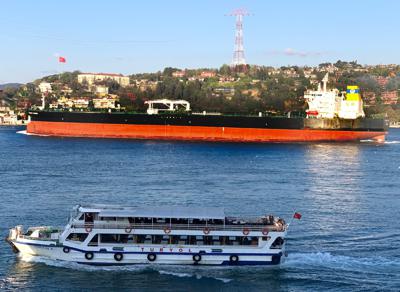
<point x="329" y="104"/>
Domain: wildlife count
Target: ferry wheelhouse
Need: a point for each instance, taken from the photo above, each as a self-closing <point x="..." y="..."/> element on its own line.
<point x="117" y="235"/>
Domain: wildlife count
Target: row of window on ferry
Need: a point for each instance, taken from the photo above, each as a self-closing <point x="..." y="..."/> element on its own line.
<point x="90" y="217"/>
<point x="167" y="239"/>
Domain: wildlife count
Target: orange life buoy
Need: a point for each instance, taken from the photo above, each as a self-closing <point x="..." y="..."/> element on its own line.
<point x="88" y="229"/>
<point x="206" y="230"/>
<point x="246" y="231"/>
<point x="265" y="231"/>
<point x="167" y="230"/>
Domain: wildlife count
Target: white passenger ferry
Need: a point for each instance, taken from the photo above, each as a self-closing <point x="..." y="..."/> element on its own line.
<point x="118" y="235"/>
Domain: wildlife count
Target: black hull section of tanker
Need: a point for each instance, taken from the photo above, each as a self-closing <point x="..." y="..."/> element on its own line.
<point x="171" y="119"/>
<point x="360" y="124"/>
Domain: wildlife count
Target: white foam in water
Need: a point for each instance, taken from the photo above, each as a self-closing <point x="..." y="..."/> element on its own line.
<point x="294" y="260"/>
<point x="180" y="275"/>
<point x="190" y="272"/>
<point x="377" y="142"/>
<point x="195" y="275"/>
<point x="224" y="280"/>
<point x="326" y="259"/>
<point x="76" y="266"/>
<point x="23" y="132"/>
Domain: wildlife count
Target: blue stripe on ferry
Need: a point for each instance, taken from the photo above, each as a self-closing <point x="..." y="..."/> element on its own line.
<point x="224" y="263"/>
<point x="155" y="252"/>
<point x="249" y="263"/>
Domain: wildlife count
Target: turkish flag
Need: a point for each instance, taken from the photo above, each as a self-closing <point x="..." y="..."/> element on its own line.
<point x="297" y="216"/>
<point x="62" y="60"/>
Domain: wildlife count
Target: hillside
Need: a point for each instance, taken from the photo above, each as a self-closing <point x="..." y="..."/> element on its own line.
<point x="226" y="90"/>
<point x="10" y="85"/>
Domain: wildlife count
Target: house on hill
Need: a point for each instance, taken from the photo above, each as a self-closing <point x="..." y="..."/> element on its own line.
<point x="91" y="78"/>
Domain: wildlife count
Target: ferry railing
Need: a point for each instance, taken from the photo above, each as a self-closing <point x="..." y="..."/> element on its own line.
<point x="245" y="228"/>
<point x="36" y="238"/>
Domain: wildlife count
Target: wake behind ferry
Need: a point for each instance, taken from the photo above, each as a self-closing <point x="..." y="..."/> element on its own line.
<point x="118" y="235"/>
<point x="332" y="116"/>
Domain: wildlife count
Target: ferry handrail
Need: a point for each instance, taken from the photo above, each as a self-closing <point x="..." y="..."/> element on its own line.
<point x="36" y="238"/>
<point x="161" y="226"/>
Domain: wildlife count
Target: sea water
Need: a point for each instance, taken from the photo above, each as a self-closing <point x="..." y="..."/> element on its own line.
<point x="348" y="238"/>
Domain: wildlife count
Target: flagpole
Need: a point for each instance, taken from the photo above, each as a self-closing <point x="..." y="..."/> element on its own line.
<point x="291" y="220"/>
<point x="294" y="216"/>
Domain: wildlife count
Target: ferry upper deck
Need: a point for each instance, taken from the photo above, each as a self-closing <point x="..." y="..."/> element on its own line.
<point x="169" y="217"/>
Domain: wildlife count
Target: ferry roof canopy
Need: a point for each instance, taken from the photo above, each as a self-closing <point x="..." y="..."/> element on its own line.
<point x="156" y="212"/>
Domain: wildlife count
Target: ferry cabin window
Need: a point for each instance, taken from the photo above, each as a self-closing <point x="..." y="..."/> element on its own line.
<point x="89" y="217"/>
<point x="141" y="220"/>
<point x="194" y="240"/>
<point x="80" y="237"/>
<point x="108" y="238"/>
<point x="179" y="221"/>
<point x="108" y="218"/>
<point x="176" y="240"/>
<point x="94" y="241"/>
<point x="199" y="222"/>
<point x="159" y="220"/>
<point x="241" y="240"/>
<point x="278" y="242"/>
<point x="114" y="238"/>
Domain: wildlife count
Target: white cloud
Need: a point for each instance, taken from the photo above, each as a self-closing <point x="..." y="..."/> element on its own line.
<point x="297" y="53"/>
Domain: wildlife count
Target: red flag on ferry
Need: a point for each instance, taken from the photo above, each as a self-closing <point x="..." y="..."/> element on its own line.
<point x="297" y="216"/>
<point x="62" y="60"/>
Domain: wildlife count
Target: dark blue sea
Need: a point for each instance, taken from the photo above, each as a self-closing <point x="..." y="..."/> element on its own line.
<point x="349" y="195"/>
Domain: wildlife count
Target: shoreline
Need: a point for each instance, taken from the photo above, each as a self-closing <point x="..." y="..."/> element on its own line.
<point x="13" y="125"/>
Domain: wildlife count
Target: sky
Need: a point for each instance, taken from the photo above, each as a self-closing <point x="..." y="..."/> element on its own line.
<point x="146" y="36"/>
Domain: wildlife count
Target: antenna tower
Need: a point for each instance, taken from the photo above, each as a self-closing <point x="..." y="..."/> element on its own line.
<point x="238" y="54"/>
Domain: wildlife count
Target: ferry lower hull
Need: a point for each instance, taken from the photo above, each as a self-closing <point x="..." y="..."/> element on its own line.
<point x="133" y="258"/>
<point x="198" y="133"/>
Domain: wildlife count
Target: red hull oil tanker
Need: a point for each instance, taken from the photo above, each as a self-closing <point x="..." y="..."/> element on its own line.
<point x="332" y="117"/>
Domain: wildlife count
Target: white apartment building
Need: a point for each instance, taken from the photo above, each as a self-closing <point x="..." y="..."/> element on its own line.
<point x="45" y="87"/>
<point x="91" y="78"/>
<point x="105" y="102"/>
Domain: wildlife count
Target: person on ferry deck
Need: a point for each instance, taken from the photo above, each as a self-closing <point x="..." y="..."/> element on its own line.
<point x="89" y="217"/>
